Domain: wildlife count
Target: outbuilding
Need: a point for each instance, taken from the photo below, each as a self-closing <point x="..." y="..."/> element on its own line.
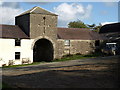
<point x="35" y="37"/>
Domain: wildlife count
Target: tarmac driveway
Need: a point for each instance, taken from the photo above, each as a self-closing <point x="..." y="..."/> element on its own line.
<point x="99" y="72"/>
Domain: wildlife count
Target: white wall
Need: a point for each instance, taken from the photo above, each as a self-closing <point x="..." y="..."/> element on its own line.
<point x="8" y="49"/>
<point x="27" y="50"/>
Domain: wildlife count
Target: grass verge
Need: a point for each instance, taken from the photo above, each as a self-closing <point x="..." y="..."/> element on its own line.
<point x="64" y="58"/>
<point x="72" y="57"/>
<point x="34" y="63"/>
<point x="78" y="56"/>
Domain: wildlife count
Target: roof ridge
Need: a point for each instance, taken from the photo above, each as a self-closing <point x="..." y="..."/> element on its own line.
<point x="74" y="29"/>
<point x="33" y="9"/>
<point x="44" y="11"/>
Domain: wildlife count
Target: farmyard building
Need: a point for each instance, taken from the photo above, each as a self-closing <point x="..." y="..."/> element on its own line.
<point x="35" y="37"/>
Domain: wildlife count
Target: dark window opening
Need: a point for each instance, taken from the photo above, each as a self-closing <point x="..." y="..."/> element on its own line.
<point x="97" y="43"/>
<point x="17" y="42"/>
<point x="17" y="55"/>
<point x="44" y="30"/>
<point x="44" y="20"/>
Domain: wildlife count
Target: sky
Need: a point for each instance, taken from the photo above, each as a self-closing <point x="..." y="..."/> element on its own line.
<point x="89" y="12"/>
<point x="119" y="11"/>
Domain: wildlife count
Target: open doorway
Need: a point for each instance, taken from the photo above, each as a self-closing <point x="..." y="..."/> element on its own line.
<point x="43" y="51"/>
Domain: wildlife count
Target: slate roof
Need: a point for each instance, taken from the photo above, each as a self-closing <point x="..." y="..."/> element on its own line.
<point x="11" y="31"/>
<point x="78" y="33"/>
<point x="109" y="28"/>
<point x="37" y="10"/>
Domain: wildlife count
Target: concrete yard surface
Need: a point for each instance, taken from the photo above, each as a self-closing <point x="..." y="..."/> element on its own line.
<point x="100" y="72"/>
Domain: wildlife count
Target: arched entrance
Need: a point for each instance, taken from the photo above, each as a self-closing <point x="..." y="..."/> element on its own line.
<point x="43" y="51"/>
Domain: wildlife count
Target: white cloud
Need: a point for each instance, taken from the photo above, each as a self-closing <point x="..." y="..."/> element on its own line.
<point x="104" y="23"/>
<point x="9" y="11"/>
<point x="8" y="15"/>
<point x="11" y="4"/>
<point x="1" y="3"/>
<point x="71" y="12"/>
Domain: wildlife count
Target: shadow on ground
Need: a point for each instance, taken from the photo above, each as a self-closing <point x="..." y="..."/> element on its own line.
<point x="77" y="76"/>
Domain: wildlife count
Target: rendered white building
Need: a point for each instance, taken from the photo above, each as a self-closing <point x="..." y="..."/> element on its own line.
<point x="15" y="48"/>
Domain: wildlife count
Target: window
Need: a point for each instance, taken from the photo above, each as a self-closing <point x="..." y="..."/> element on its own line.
<point x="17" y="42"/>
<point x="97" y="43"/>
<point x="67" y="42"/>
<point x="44" y="20"/>
<point x="17" y="55"/>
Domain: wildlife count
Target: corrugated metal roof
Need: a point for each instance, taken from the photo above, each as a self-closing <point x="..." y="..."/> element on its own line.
<point x="11" y="31"/>
<point x="78" y="33"/>
<point x="109" y="28"/>
<point x="37" y="10"/>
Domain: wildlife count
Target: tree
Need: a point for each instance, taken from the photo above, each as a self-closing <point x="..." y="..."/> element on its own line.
<point x="77" y="24"/>
<point x="80" y="24"/>
<point x="97" y="28"/>
<point x="91" y="26"/>
<point x="94" y="27"/>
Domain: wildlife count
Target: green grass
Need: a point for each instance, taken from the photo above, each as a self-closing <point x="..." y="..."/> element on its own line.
<point x="78" y="56"/>
<point x="34" y="63"/>
<point x="64" y="58"/>
<point x="73" y="57"/>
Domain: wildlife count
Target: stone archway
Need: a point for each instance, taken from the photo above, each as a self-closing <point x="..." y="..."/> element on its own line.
<point x="43" y="50"/>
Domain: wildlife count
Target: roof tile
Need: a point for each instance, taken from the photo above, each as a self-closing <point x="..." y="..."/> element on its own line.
<point x="78" y="33"/>
<point x="11" y="31"/>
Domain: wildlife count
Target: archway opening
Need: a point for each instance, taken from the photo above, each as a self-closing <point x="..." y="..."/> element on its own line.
<point x="43" y="51"/>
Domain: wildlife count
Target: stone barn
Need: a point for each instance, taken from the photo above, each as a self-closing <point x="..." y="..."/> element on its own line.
<point x="112" y="33"/>
<point x="35" y="37"/>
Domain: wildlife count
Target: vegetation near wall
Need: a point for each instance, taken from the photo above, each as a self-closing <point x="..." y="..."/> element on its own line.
<point x="80" y="24"/>
<point x="77" y="24"/>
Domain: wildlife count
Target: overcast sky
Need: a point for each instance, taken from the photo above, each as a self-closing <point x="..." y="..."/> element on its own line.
<point x="88" y="12"/>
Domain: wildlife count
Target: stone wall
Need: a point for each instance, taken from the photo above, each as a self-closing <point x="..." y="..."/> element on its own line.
<point x="43" y="25"/>
<point x="81" y="46"/>
<point x="24" y="23"/>
<point x="60" y="48"/>
<point x="76" y="46"/>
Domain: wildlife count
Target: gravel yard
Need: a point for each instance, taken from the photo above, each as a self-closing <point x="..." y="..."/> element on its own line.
<point x="101" y="72"/>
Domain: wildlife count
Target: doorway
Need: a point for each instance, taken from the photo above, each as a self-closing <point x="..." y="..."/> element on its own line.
<point x="43" y="51"/>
